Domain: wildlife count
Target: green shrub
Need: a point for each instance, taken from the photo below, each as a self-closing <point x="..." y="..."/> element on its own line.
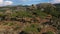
<point x="32" y="28"/>
<point x="50" y="32"/>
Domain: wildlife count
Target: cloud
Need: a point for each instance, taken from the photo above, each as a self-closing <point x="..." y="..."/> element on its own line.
<point x="8" y="3"/>
<point x="4" y="3"/>
<point x="1" y="1"/>
<point x="55" y="1"/>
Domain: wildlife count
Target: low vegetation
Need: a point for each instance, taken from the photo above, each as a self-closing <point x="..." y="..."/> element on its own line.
<point x="30" y="19"/>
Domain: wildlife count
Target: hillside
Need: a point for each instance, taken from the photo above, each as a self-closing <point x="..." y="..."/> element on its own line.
<point x="41" y="18"/>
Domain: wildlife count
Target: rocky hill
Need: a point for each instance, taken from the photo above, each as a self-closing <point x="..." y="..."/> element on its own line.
<point x="35" y="19"/>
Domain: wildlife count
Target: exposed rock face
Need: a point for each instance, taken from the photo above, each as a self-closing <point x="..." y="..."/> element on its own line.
<point x="44" y="5"/>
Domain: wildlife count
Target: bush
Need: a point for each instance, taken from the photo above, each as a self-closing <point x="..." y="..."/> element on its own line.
<point x="33" y="28"/>
<point x="24" y="14"/>
<point x="40" y="13"/>
<point x="23" y="32"/>
<point x="50" y="32"/>
<point x="58" y="27"/>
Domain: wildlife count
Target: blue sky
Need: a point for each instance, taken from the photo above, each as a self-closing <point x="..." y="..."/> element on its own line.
<point x="25" y="2"/>
<point x="29" y="2"/>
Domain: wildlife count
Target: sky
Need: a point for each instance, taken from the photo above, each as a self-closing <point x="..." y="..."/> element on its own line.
<point x="25" y="2"/>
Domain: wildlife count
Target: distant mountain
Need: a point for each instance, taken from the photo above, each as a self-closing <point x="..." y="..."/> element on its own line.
<point x="57" y="5"/>
<point x="40" y="5"/>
